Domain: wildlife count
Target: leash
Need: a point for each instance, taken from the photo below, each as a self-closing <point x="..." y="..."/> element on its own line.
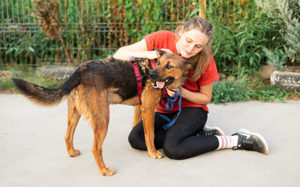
<point x="169" y="106"/>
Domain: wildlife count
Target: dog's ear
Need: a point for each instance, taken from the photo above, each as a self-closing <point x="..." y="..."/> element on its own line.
<point x="188" y="66"/>
<point x="159" y="52"/>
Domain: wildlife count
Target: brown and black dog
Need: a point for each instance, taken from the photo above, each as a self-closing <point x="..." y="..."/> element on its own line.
<point x="96" y="84"/>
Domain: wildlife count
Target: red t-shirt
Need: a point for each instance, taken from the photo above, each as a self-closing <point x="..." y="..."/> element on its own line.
<point x="167" y="40"/>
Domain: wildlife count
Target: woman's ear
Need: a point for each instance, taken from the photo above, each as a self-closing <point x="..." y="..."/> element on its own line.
<point x="180" y="32"/>
<point x="159" y="52"/>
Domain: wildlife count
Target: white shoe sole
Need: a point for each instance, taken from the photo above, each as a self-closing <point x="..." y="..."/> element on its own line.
<point x="259" y="136"/>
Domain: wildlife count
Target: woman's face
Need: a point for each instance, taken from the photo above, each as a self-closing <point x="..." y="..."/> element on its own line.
<point x="191" y="43"/>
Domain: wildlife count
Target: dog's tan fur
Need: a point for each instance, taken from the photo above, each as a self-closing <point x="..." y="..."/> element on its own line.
<point x="90" y="96"/>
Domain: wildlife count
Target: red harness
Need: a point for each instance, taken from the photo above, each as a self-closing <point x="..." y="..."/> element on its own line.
<point x="138" y="76"/>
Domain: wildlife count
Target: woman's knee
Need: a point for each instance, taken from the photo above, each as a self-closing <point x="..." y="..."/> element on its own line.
<point x="136" y="141"/>
<point x="172" y="151"/>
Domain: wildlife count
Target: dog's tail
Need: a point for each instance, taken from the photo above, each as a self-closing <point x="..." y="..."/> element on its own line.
<point x="45" y="96"/>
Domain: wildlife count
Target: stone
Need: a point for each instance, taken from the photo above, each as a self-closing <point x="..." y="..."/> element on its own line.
<point x="266" y="71"/>
<point x="222" y="76"/>
<point x="287" y="80"/>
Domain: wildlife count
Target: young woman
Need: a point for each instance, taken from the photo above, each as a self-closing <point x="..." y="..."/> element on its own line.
<point x="187" y="137"/>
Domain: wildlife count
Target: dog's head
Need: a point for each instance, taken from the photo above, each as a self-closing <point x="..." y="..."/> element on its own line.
<point x="170" y="72"/>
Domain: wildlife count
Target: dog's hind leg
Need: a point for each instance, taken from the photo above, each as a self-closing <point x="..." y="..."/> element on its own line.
<point x="99" y="119"/>
<point x="73" y="118"/>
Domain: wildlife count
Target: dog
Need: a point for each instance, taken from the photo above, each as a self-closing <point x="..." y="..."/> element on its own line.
<point x="96" y="84"/>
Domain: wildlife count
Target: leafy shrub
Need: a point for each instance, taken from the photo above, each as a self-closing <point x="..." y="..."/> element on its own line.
<point x="285" y="15"/>
<point x="270" y="93"/>
<point x="239" y="39"/>
<point x="224" y="92"/>
<point x="246" y="89"/>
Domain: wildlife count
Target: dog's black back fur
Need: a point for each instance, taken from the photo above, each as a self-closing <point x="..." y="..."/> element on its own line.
<point x="105" y="73"/>
<point x="114" y="73"/>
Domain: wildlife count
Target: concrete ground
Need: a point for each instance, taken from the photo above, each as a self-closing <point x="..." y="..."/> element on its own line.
<point x="33" y="153"/>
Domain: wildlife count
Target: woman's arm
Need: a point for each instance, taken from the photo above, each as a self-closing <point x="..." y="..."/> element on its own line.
<point x="138" y="49"/>
<point x="202" y="97"/>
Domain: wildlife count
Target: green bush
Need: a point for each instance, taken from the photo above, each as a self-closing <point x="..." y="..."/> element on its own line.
<point x="246" y="89"/>
<point x="285" y="15"/>
<point x="239" y="39"/>
<point x="224" y="92"/>
<point x="270" y="93"/>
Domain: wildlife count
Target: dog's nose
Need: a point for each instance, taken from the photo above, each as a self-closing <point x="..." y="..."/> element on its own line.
<point x="153" y="74"/>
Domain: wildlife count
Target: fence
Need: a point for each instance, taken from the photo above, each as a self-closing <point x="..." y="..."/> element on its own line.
<point x="91" y="28"/>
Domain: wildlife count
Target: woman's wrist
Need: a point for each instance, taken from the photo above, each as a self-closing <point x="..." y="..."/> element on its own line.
<point x="145" y="54"/>
<point x="195" y="97"/>
<point x="184" y="92"/>
<point x="127" y="54"/>
<point x="151" y="55"/>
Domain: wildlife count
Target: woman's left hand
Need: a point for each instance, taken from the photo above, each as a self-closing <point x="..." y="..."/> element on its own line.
<point x="171" y="93"/>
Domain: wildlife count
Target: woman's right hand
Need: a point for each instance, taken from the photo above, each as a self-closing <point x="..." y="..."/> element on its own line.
<point x="151" y="55"/>
<point x="136" y="50"/>
<point x="167" y="50"/>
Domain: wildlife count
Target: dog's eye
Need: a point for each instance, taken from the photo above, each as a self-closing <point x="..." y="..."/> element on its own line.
<point x="168" y="66"/>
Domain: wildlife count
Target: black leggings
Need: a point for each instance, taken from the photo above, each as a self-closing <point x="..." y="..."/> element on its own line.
<point x="179" y="141"/>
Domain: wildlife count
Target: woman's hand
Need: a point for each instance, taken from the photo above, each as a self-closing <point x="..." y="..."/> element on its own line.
<point x="167" y="50"/>
<point x="153" y="54"/>
<point x="171" y="93"/>
<point x="136" y="50"/>
<point x="202" y="97"/>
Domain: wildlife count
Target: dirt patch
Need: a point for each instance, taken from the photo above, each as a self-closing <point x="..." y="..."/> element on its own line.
<point x="294" y="96"/>
<point x="295" y="69"/>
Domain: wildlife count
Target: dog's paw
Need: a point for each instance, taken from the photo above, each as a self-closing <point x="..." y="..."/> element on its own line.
<point x="108" y="171"/>
<point x="74" y="153"/>
<point x="156" y="155"/>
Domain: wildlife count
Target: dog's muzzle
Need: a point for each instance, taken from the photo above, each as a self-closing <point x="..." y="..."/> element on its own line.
<point x="157" y="82"/>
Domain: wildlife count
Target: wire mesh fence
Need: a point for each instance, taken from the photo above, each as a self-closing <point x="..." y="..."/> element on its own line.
<point x="91" y="28"/>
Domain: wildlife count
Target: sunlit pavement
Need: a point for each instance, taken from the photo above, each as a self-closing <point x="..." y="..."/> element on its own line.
<point x="33" y="152"/>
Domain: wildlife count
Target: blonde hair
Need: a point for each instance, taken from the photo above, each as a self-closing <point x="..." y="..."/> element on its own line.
<point x="202" y="59"/>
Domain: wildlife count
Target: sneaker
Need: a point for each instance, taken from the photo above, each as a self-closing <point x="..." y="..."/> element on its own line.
<point x="211" y="131"/>
<point x="251" y="141"/>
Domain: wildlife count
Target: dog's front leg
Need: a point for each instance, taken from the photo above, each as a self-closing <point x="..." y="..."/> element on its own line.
<point x="150" y="99"/>
<point x="137" y="116"/>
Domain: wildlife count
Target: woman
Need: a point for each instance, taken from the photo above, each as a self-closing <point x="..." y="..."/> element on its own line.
<point x="187" y="138"/>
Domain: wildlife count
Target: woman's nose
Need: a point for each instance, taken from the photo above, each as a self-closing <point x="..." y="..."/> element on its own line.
<point x="191" y="47"/>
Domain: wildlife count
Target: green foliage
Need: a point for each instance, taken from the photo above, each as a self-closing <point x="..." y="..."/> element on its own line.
<point x="94" y="28"/>
<point x="271" y="93"/>
<point x="276" y="57"/>
<point x="239" y="37"/>
<point x="142" y="13"/>
<point x="285" y="15"/>
<point x="91" y="29"/>
<point x="244" y="36"/>
<point x="246" y="89"/>
<point x="224" y="92"/>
